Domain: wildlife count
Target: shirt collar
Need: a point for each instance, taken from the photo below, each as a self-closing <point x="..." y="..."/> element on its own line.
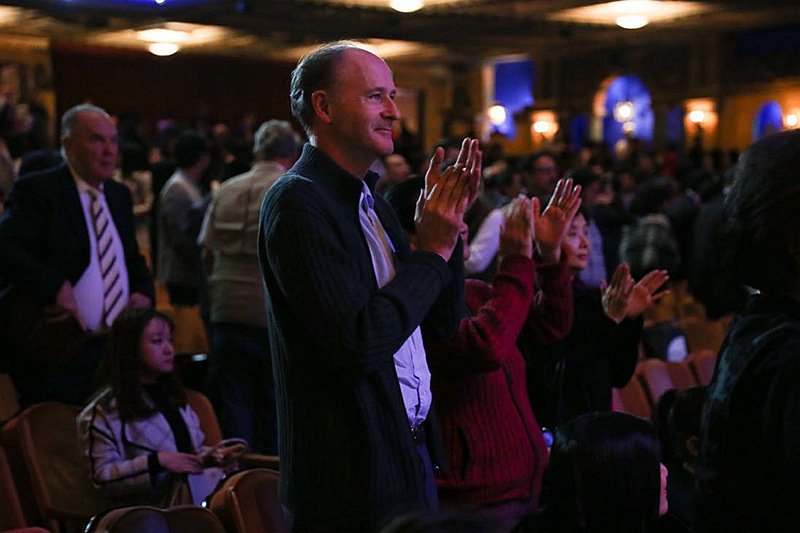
<point x="82" y="185"/>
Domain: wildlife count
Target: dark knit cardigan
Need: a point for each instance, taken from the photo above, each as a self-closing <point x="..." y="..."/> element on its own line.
<point x="494" y="445"/>
<point x="348" y="460"/>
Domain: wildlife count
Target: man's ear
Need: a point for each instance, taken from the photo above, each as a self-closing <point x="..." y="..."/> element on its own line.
<point x="693" y="445"/>
<point x="320" y="102"/>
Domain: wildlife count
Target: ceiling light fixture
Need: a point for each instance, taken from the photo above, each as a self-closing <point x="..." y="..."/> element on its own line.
<point x="406" y="6"/>
<point x="163" y="49"/>
<point x="623" y="112"/>
<point x="633" y="21"/>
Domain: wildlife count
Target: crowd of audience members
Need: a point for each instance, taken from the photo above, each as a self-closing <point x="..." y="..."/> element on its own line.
<point x="566" y="251"/>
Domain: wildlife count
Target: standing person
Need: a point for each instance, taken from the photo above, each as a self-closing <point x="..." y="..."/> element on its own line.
<point x="177" y="254"/>
<point x="494" y="447"/>
<point x="750" y="451"/>
<point x="346" y="298"/>
<point x="67" y="242"/>
<point x="241" y="368"/>
<point x="575" y="375"/>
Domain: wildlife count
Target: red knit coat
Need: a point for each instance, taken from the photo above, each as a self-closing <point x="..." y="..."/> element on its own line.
<point x="493" y="444"/>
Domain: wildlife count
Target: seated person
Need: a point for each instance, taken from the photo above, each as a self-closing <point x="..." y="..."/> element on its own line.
<point x="141" y="437"/>
<point x="493" y="444"/>
<point x="604" y="476"/>
<point x="575" y="375"/>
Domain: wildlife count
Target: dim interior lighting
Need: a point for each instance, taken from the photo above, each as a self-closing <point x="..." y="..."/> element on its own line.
<point x="497" y="114"/>
<point x="791" y="120"/>
<point x="632" y="22"/>
<point x="697" y="116"/>
<point x="541" y="126"/>
<point x="406" y="6"/>
<point x="159" y="2"/>
<point x="163" y="49"/>
<point x="623" y="112"/>
<point x="162" y="35"/>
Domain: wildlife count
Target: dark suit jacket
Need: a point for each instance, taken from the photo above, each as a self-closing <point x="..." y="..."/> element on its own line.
<point x="348" y="460"/>
<point x="44" y="240"/>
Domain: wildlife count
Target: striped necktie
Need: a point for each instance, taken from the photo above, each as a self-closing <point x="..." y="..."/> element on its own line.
<point x="109" y="269"/>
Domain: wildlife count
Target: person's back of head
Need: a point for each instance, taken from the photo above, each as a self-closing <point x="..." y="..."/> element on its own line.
<point x="604" y="475"/>
<point x="190" y="147"/>
<point x="762" y="237"/>
<point x="276" y="139"/>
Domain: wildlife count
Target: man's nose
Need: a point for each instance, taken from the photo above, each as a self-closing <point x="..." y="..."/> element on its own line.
<point x="391" y="110"/>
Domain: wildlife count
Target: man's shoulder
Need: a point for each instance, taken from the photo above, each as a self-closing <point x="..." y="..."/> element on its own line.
<point x="45" y="178"/>
<point x="293" y="190"/>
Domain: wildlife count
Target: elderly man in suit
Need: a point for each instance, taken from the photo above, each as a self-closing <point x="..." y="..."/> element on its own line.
<point x="348" y="302"/>
<point x="67" y="242"/>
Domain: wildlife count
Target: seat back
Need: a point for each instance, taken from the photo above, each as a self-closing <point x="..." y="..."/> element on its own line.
<point x="11" y="515"/>
<point x="702" y="334"/>
<point x="631" y="399"/>
<point x="9" y="400"/>
<point x="681" y="375"/>
<point x="702" y="363"/>
<point x="247" y="502"/>
<point x="182" y="519"/>
<point x="208" y="418"/>
<point x="49" y="465"/>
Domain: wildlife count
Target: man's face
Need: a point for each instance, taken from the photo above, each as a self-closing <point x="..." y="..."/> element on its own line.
<point x="541" y="179"/>
<point x="91" y="147"/>
<point x="362" y="105"/>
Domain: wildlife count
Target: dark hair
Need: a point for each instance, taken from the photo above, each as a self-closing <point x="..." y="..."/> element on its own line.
<point x="403" y="199"/>
<point x="444" y="522"/>
<point x="583" y="176"/>
<point x="190" y="147"/>
<point x="123" y="359"/>
<point x="315" y="72"/>
<point x="677" y="417"/>
<point x="604" y="475"/>
<point x="527" y="164"/>
<point x="652" y="196"/>
<point x="763" y="231"/>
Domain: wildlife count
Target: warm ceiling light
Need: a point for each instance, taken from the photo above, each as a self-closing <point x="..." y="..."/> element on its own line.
<point x="406" y="6"/>
<point x="632" y="22"/>
<point x="791" y="120"/>
<point x="497" y="114"/>
<point x="162" y="35"/>
<point x="623" y="112"/>
<point x="159" y="2"/>
<point x="163" y="49"/>
<point x="697" y="116"/>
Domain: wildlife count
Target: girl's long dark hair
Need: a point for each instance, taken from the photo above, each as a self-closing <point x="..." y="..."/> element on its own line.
<point x="604" y="475"/>
<point x="122" y="364"/>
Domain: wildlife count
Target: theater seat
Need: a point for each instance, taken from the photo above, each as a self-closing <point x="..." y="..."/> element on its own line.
<point x="247" y="502"/>
<point x="702" y="363"/>
<point x="657" y="377"/>
<point x="11" y="515"/>
<point x="9" y="400"/>
<point x="50" y="471"/>
<point x="183" y="519"/>
<point x="702" y="334"/>
<point x="208" y="418"/>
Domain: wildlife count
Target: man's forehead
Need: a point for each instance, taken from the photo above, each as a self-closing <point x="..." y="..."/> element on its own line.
<point x="363" y="67"/>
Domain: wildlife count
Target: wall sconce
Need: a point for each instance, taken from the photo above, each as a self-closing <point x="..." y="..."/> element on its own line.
<point x="700" y="115"/>
<point x="697" y="116"/>
<point x="623" y="112"/>
<point x="792" y="118"/>
<point x="497" y="114"/>
<point x="544" y="124"/>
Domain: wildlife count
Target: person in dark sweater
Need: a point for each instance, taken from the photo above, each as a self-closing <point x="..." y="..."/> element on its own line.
<point x="139" y="434"/>
<point x="750" y="445"/>
<point x="575" y="376"/>
<point x="347" y="302"/>
<point x="494" y="446"/>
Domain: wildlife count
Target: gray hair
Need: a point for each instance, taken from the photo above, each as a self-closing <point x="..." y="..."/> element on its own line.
<point x="315" y="72"/>
<point x="275" y="139"/>
<point x="68" y="120"/>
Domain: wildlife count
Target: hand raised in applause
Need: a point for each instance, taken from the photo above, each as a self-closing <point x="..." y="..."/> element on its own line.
<point x="551" y="226"/>
<point x="643" y="295"/>
<point x="447" y="195"/>
<point x="180" y="463"/>
<point x="615" y="296"/>
<point x="516" y="237"/>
